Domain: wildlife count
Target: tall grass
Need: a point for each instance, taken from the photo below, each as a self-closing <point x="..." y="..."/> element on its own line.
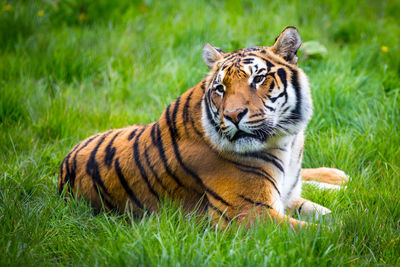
<point x="69" y="69"/>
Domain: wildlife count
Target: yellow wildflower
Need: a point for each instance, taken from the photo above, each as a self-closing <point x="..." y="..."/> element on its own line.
<point x="40" y="13"/>
<point x="7" y="8"/>
<point x="384" y="49"/>
<point x="82" y="16"/>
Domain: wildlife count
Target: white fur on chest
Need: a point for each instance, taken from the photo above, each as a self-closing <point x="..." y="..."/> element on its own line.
<point x="289" y="181"/>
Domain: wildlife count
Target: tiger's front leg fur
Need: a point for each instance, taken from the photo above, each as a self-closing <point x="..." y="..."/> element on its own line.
<point x="323" y="178"/>
<point x="247" y="203"/>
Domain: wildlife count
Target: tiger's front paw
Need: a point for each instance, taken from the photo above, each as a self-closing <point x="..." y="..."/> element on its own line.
<point x="311" y="209"/>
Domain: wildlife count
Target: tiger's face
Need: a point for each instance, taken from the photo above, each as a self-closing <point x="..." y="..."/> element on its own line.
<point x="254" y="95"/>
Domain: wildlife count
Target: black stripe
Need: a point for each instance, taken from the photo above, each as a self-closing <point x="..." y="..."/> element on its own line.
<point x="216" y="196"/>
<point x="140" y="166"/>
<point x="255" y="121"/>
<point x="125" y="185"/>
<point x="300" y="154"/>
<point x="171" y="127"/>
<point x="271" y="86"/>
<point x="252" y="54"/>
<point x="212" y="103"/>
<point x="248" y="60"/>
<point x="241" y="71"/>
<point x="110" y="151"/>
<point x="72" y="173"/>
<point x="261" y="70"/>
<point x="155" y="175"/>
<point x="242" y="165"/>
<point x="295" y="182"/>
<point x="273" y="99"/>
<point x="185" y="112"/>
<point x="132" y="134"/>
<point x="268" y="107"/>
<point x="273" y="156"/>
<point x="230" y="56"/>
<point x="221" y="214"/>
<point x="209" y="116"/>
<point x="153" y="132"/>
<point x="68" y="170"/>
<point x="180" y="161"/>
<point x="282" y="75"/>
<point x="268" y="63"/>
<point x="300" y="207"/>
<point x="61" y="185"/>
<point x="171" y="121"/>
<point x="196" y="130"/>
<point x="296" y="113"/>
<point x="255" y="115"/>
<point x="267" y="157"/>
<point x="286" y="109"/>
<point x="198" y="104"/>
<point x="255" y="202"/>
<point x="157" y="141"/>
<point x="92" y="167"/>
<point x="264" y="174"/>
<point x="279" y="148"/>
<point x="249" y="169"/>
<point x="203" y="85"/>
<point x="174" y="114"/>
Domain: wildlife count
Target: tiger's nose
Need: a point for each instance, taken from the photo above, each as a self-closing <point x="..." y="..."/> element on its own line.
<point x="236" y="115"/>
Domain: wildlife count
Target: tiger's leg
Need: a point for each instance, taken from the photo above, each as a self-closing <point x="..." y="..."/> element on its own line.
<point x="246" y="213"/>
<point x="328" y="178"/>
<point x="308" y="208"/>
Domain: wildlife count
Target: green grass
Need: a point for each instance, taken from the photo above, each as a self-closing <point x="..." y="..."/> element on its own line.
<point x="87" y="66"/>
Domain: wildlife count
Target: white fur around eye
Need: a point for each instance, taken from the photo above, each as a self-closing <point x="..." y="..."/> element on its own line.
<point x="219" y="93"/>
<point x="256" y="68"/>
<point x="218" y="82"/>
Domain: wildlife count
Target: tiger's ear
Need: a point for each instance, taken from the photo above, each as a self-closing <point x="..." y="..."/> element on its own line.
<point x="287" y="44"/>
<point x="211" y="54"/>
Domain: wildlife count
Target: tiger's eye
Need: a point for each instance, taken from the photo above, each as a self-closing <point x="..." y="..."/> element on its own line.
<point x="258" y="79"/>
<point x="219" y="88"/>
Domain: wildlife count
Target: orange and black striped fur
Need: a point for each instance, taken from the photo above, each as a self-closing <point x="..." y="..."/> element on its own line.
<point x="231" y="145"/>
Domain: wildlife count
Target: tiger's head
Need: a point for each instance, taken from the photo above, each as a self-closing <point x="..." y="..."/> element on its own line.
<point x="255" y="94"/>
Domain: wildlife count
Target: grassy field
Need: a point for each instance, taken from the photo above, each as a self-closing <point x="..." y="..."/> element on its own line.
<point x="69" y="69"/>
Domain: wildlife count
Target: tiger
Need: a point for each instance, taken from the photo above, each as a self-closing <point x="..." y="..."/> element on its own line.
<point x="230" y="147"/>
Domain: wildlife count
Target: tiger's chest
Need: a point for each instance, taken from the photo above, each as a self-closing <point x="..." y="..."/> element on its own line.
<point x="289" y="180"/>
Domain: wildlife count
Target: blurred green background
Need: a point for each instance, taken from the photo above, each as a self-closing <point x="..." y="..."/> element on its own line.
<point x="69" y="69"/>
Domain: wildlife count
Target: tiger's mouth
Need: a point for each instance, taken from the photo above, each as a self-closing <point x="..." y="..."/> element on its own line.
<point x="242" y="134"/>
<point x="261" y="134"/>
